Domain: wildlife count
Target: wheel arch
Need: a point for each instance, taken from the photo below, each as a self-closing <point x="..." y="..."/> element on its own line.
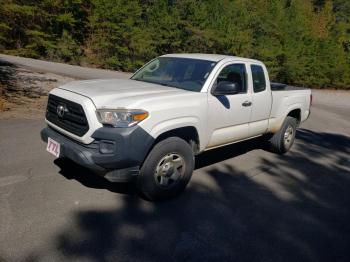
<point x="187" y="133"/>
<point x="295" y="113"/>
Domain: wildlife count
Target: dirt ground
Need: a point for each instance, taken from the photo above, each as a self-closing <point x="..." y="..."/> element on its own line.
<point x="23" y="92"/>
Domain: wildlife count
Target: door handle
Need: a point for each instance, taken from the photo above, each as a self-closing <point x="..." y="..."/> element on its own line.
<point x="247" y="103"/>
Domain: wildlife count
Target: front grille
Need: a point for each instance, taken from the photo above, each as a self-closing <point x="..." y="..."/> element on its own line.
<point x="73" y="119"/>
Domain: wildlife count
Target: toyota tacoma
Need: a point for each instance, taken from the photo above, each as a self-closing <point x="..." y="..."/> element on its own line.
<point x="149" y="128"/>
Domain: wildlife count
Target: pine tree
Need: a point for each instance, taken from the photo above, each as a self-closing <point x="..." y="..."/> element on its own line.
<point x="303" y="42"/>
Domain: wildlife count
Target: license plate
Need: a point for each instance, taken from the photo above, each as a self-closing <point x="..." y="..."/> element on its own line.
<point x="53" y="147"/>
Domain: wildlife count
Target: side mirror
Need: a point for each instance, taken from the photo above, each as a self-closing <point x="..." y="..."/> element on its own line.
<point x="226" y="88"/>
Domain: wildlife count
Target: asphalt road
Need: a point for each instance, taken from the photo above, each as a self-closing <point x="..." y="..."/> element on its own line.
<point x="242" y="204"/>
<point x="63" y="69"/>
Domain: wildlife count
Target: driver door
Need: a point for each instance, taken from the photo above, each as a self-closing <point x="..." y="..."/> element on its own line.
<point x="228" y="115"/>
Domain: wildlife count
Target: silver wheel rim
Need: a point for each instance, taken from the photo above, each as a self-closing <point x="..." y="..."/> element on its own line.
<point x="169" y="170"/>
<point x="288" y="136"/>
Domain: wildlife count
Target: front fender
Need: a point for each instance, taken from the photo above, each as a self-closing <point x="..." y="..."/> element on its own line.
<point x="178" y="122"/>
<point x="174" y="123"/>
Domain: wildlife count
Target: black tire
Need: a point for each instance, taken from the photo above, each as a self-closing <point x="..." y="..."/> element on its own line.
<point x="277" y="142"/>
<point x="148" y="181"/>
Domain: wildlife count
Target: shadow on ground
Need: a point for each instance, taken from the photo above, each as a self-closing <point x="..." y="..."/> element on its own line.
<point x="295" y="208"/>
<point x="71" y="170"/>
<point x="7" y="77"/>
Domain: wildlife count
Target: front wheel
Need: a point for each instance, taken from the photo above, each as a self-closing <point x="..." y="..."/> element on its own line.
<point x="167" y="169"/>
<point x="283" y="140"/>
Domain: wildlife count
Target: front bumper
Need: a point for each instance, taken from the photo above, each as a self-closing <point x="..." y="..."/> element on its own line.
<point x="120" y="162"/>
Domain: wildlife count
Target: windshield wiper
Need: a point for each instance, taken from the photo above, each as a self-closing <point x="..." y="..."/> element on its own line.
<point x="157" y="83"/>
<point x="164" y="84"/>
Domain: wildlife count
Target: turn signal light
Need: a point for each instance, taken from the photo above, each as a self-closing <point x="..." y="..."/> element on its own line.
<point x="139" y="117"/>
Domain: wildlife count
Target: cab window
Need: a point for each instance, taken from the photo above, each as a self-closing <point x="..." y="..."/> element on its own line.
<point x="259" y="82"/>
<point x="235" y="73"/>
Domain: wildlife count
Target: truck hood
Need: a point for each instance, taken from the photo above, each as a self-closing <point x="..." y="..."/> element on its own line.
<point x="115" y="93"/>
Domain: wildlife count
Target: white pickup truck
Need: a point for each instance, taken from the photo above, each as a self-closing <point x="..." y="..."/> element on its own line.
<point x="149" y="128"/>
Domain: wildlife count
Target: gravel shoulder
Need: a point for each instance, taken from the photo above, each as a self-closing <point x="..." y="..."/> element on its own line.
<point x="23" y="92"/>
<point x="62" y="69"/>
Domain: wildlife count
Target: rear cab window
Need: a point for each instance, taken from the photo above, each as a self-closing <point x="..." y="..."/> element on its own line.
<point x="259" y="79"/>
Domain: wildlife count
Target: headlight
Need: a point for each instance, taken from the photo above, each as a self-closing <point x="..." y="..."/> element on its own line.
<point x="121" y="117"/>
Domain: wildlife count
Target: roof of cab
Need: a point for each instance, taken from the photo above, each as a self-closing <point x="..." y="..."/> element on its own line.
<point x="210" y="57"/>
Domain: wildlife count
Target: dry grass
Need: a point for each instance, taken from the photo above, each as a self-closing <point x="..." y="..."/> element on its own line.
<point x="2" y="105"/>
<point x="2" y="99"/>
<point x="23" y="92"/>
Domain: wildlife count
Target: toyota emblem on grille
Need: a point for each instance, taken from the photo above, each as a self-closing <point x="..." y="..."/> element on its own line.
<point x="61" y="110"/>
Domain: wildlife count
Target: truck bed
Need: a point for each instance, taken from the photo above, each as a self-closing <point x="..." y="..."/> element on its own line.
<point x="284" y="87"/>
<point x="286" y="99"/>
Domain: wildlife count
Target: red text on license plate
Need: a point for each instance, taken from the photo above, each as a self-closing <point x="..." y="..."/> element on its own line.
<point x="53" y="147"/>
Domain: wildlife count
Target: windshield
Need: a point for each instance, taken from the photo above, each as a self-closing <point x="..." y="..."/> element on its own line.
<point x="184" y="73"/>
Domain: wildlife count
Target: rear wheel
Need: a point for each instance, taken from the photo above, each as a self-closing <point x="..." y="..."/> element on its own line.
<point x="167" y="169"/>
<point x="283" y="140"/>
